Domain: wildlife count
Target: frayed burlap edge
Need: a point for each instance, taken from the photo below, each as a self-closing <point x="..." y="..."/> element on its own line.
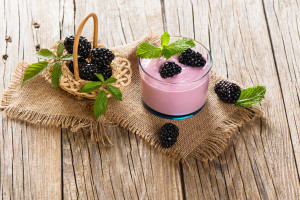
<point x="210" y="148"/>
<point x="96" y="128"/>
<point x="212" y="145"/>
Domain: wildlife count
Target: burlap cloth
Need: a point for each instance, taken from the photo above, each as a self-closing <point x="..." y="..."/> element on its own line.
<point x="203" y="136"/>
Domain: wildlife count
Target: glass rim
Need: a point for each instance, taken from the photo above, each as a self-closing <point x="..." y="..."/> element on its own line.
<point x="164" y="82"/>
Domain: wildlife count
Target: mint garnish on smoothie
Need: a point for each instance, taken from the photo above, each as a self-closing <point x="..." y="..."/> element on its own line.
<point x="147" y="50"/>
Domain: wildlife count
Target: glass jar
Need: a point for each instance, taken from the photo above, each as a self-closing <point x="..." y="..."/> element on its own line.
<point x="175" y="98"/>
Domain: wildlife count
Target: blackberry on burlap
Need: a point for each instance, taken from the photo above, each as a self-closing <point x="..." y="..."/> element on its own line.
<point x="168" y="135"/>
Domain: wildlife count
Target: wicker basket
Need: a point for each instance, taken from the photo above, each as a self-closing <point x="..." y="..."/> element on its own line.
<point x="73" y="84"/>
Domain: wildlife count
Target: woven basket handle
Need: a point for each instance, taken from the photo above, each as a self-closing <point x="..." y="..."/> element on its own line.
<point x="76" y="41"/>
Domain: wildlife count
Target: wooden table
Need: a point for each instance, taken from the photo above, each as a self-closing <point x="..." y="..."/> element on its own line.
<point x="255" y="42"/>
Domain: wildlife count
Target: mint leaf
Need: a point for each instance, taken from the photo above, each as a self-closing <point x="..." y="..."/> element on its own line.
<point x="45" y="54"/>
<point x="67" y="57"/>
<point x="167" y="53"/>
<point x="165" y="38"/>
<point x="100" y="105"/>
<point x="33" y="70"/>
<point x="251" y="96"/>
<point x="115" y="92"/>
<point x="147" y="50"/>
<point x="101" y="78"/>
<point x="178" y="46"/>
<point x="111" y="80"/>
<point x="60" y="49"/>
<point x="56" y="74"/>
<point x="91" y="86"/>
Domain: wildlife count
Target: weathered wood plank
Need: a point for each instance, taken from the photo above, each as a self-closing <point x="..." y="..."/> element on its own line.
<point x="129" y="169"/>
<point x="30" y="155"/>
<point x="260" y="164"/>
<point x="283" y="23"/>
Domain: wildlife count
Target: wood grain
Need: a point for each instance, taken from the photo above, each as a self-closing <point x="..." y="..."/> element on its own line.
<point x="30" y="155"/>
<point x="283" y="24"/>
<point x="238" y="37"/>
<point x="129" y="169"/>
<point x="253" y="42"/>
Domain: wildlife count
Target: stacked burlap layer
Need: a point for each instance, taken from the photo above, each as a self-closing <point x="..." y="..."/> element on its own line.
<point x="203" y="136"/>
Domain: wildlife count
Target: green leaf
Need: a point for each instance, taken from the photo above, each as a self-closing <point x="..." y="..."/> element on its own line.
<point x="111" y="80"/>
<point x="167" y="53"/>
<point x="60" y="49"/>
<point x="115" y="92"/>
<point x="147" y="50"/>
<point x="45" y="54"/>
<point x="251" y="96"/>
<point x="56" y="74"/>
<point x="91" y="86"/>
<point x="100" y="105"/>
<point x="101" y="78"/>
<point x="178" y="46"/>
<point x="165" y="38"/>
<point x="33" y="70"/>
<point x="67" y="57"/>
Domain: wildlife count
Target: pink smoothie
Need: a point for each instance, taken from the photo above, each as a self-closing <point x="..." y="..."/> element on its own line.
<point x="181" y="94"/>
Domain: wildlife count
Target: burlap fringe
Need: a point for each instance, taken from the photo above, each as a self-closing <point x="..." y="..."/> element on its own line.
<point x="210" y="148"/>
<point x="96" y="128"/>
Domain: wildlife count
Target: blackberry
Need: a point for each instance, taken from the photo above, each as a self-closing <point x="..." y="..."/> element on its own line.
<point x="81" y="62"/>
<point x="192" y="58"/>
<point x="88" y="71"/>
<point x="84" y="46"/>
<point x="102" y="56"/>
<point x="169" y="69"/>
<point x="168" y="134"/>
<point x="106" y="72"/>
<point x="228" y="92"/>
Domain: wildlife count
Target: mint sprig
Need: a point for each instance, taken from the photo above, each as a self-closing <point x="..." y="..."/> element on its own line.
<point x="101" y="102"/>
<point x="36" y="68"/>
<point x="177" y="47"/>
<point x="149" y="51"/>
<point x="251" y="96"/>
<point x="165" y="39"/>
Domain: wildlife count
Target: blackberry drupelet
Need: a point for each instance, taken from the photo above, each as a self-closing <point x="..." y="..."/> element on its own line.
<point x="88" y="71"/>
<point x="81" y="62"/>
<point x="168" y="135"/>
<point x="192" y="58"/>
<point x="228" y="92"/>
<point x="169" y="69"/>
<point x="106" y="72"/>
<point x="102" y="56"/>
<point x="84" y="46"/>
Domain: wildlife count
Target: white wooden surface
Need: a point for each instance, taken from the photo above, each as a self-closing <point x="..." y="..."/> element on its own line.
<point x="252" y="41"/>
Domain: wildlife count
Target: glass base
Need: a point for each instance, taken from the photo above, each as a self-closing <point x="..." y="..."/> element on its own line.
<point x="171" y="116"/>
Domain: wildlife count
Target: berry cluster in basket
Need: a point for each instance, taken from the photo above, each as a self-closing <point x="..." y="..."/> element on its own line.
<point x="100" y="59"/>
